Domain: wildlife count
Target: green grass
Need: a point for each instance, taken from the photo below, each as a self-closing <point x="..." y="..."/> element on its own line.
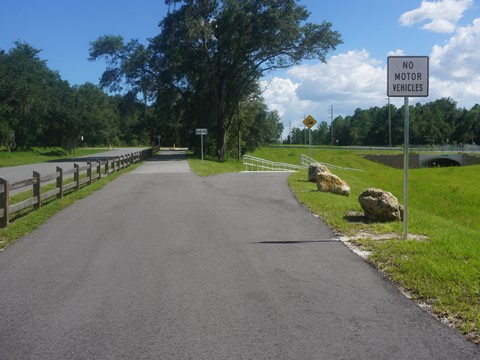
<point x="38" y="154"/>
<point x="444" y="205"/>
<point x="213" y="167"/>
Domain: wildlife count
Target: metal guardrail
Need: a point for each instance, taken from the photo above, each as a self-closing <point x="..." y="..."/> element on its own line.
<point x="307" y="161"/>
<point x="256" y="164"/>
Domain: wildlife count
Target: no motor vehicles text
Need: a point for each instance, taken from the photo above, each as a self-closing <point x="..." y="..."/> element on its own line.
<point x="408" y="87"/>
<point x="408" y="76"/>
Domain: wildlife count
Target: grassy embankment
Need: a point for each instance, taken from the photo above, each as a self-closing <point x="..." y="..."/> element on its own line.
<point x="444" y="205"/>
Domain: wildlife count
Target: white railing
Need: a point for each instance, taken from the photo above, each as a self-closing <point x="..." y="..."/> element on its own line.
<point x="256" y="164"/>
<point x="307" y="161"/>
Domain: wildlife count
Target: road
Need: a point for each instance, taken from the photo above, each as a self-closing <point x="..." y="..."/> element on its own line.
<point x="163" y="264"/>
<point x="22" y="172"/>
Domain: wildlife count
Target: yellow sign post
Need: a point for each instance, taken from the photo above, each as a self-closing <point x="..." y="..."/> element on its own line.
<point x="309" y="122"/>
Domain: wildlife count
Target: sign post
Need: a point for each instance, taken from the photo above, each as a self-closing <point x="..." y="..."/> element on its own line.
<point x="309" y="122"/>
<point x="201" y="132"/>
<point x="407" y="76"/>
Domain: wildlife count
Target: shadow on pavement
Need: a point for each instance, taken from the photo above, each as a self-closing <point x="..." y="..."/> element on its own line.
<point x="169" y="156"/>
<point x="288" y="242"/>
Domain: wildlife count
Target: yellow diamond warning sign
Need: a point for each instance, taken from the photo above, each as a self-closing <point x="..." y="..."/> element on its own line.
<point x="309" y="121"/>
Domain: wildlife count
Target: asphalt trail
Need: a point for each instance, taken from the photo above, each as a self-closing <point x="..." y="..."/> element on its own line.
<point x="163" y="264"/>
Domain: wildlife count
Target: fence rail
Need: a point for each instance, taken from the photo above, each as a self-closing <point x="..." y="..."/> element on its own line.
<point x="82" y="175"/>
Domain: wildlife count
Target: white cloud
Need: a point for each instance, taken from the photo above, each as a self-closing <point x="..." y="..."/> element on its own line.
<point x="439" y="16"/>
<point x="454" y="69"/>
<point x="397" y="52"/>
<point x="458" y="59"/>
<point x="280" y="94"/>
<point x="354" y="72"/>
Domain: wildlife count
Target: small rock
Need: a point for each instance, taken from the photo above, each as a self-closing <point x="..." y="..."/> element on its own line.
<point x="328" y="182"/>
<point x="380" y="205"/>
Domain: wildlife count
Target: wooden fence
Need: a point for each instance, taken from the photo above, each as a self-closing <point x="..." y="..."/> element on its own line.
<point x="82" y="175"/>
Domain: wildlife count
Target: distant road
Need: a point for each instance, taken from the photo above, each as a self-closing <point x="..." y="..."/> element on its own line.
<point x="21" y="172"/>
<point x="164" y="264"/>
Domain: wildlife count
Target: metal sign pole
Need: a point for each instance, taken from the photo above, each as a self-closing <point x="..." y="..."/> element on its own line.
<point x="201" y="132"/>
<point x="310" y="141"/>
<point x="201" y="142"/>
<point x="405" y="168"/>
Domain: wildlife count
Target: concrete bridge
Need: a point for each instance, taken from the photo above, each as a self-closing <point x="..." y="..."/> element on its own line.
<point x="426" y="160"/>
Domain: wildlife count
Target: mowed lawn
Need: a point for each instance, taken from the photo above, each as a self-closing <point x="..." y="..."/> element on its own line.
<point x="443" y="271"/>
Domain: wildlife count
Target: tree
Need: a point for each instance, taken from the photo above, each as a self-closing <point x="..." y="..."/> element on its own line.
<point x="127" y="65"/>
<point x="217" y="50"/>
<point x="321" y="135"/>
<point x="256" y="127"/>
<point x="97" y="115"/>
<point x="25" y="92"/>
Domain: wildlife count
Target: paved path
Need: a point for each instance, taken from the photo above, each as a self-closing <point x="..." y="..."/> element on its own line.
<point x="163" y="264"/>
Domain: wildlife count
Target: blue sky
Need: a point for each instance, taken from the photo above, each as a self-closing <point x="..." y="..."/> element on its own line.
<point x="448" y="31"/>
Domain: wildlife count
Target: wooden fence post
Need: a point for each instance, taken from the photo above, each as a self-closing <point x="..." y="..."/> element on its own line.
<point x="4" y="203"/>
<point x="107" y="164"/>
<point x="76" y="176"/>
<point x="60" y="182"/>
<point x="89" y="173"/>
<point x="99" y="170"/>
<point x="36" y="190"/>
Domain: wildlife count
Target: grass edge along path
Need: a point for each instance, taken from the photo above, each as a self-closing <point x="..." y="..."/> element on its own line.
<point x="25" y="225"/>
<point x="441" y="273"/>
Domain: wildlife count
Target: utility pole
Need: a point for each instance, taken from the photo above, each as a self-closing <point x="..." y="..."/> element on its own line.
<point x="290" y="132"/>
<point x="389" y="124"/>
<point x="331" y="121"/>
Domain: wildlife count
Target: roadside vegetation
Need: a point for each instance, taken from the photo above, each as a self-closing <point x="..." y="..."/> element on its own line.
<point x="442" y="272"/>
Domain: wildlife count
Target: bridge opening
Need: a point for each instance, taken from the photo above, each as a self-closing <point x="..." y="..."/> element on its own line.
<point x="440" y="162"/>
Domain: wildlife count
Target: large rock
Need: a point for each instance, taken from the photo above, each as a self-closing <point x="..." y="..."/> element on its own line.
<point x="380" y="205"/>
<point x="328" y="182"/>
<point x="314" y="169"/>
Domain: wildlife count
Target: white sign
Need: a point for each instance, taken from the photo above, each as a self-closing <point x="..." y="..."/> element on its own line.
<point x="407" y="76"/>
<point x="201" y="132"/>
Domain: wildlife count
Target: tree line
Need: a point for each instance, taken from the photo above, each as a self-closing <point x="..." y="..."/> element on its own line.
<point x="38" y="108"/>
<point x="438" y="122"/>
